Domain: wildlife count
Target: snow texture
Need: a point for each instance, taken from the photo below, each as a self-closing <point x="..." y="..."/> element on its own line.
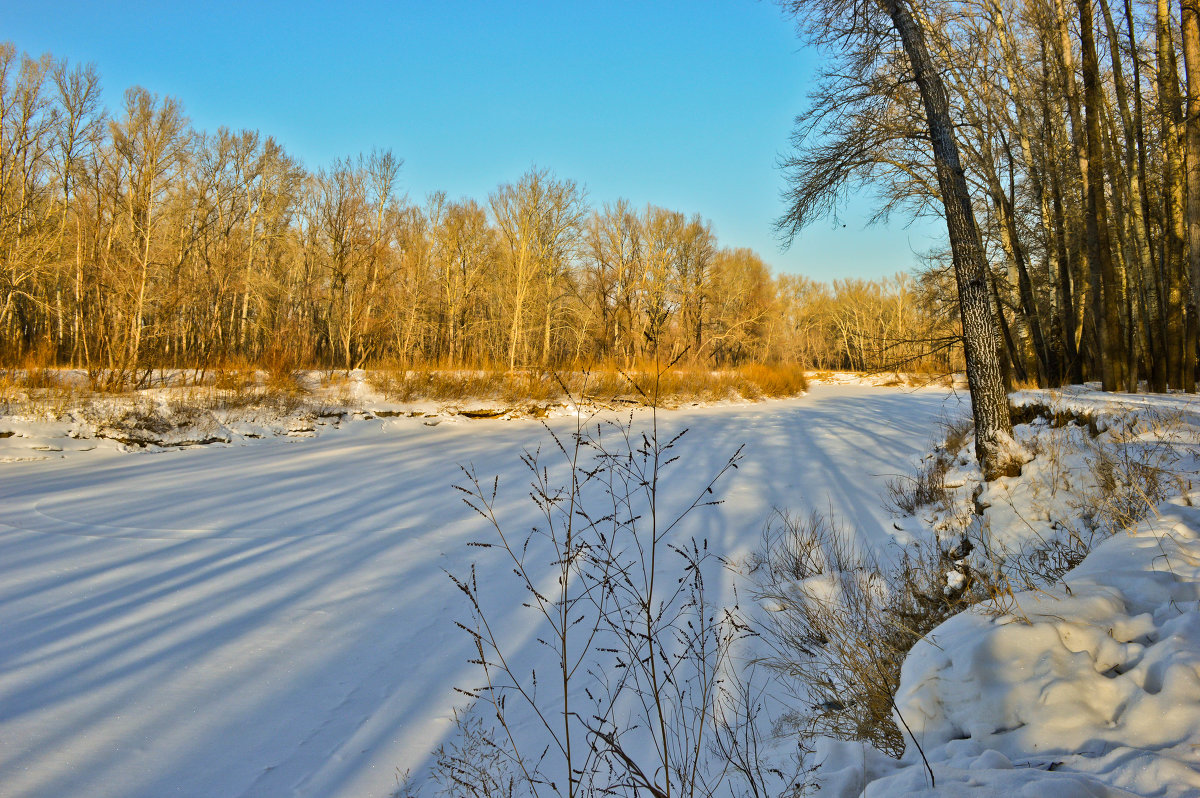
<point x="272" y="618"/>
<point x="268" y="615"/>
<point x="1090" y="687"/>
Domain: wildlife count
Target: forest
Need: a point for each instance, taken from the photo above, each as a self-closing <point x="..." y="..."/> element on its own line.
<point x="130" y="240"/>
<point x="1079" y="142"/>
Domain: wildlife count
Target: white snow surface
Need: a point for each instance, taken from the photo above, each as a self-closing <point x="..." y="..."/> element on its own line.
<point x="272" y="617"/>
<point x="1092" y="689"/>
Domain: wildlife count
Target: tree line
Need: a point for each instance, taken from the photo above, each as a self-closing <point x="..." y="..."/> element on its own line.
<point x="1079" y="141"/>
<point x="131" y="240"/>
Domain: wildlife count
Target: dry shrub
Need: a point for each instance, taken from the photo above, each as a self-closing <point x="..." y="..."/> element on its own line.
<point x="653" y="662"/>
<point x="476" y="763"/>
<point x="42" y="392"/>
<point x="1048" y="561"/>
<point x="281" y="364"/>
<point x="956" y="434"/>
<point x="840" y="625"/>
<point x="775" y="381"/>
<point x="640" y="384"/>
<point x="1130" y="475"/>
<point x="927" y="488"/>
<point x="1131" y="462"/>
<point x="681" y="384"/>
<point x="1127" y="490"/>
<point x="10" y="394"/>
<point x="234" y="375"/>
<point x="684" y="384"/>
<point x="38" y="369"/>
<point x="410" y="385"/>
<point x="907" y="494"/>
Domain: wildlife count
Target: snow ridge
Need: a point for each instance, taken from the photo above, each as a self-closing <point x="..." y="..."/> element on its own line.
<point x="1088" y="688"/>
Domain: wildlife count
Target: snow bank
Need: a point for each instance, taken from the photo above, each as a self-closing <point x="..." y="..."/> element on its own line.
<point x="1129" y="406"/>
<point x="1087" y="688"/>
<point x="176" y="413"/>
<point x="1090" y="691"/>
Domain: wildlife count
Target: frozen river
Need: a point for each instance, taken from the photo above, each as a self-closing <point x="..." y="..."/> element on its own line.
<point x="274" y="619"/>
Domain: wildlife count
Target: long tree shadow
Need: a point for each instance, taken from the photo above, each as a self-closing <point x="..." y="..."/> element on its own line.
<point x="276" y="619"/>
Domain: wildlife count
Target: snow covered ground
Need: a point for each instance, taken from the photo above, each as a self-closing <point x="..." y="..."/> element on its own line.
<point x="271" y="617"/>
<point x="1087" y="686"/>
<point x="1092" y="689"/>
<point x="274" y="619"/>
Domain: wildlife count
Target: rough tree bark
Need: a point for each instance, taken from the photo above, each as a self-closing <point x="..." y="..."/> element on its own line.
<point x="1190" y="17"/>
<point x="989" y="402"/>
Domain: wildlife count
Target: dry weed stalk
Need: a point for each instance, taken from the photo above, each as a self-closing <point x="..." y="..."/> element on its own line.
<point x="640" y="701"/>
<point x="841" y="623"/>
<point x="603" y="385"/>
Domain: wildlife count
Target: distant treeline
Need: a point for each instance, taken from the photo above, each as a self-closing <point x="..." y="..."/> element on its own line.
<point x="129" y="240"/>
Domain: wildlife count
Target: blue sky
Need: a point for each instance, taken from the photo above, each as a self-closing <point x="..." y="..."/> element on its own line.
<point x="682" y="104"/>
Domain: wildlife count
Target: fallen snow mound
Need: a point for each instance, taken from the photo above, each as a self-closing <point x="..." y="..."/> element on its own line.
<point x="1089" y="689"/>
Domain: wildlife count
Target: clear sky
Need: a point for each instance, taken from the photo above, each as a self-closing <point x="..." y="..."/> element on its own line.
<point x="683" y="104"/>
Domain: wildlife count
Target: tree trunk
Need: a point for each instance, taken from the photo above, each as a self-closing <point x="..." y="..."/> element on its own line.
<point x="1179" y="364"/>
<point x="1190" y="15"/>
<point x="1106" y="300"/>
<point x="989" y="403"/>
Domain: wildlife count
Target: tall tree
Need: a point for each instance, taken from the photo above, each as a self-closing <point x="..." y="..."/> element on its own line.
<point x="849" y="24"/>
<point x="1190" y="18"/>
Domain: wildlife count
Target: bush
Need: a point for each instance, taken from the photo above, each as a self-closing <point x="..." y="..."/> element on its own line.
<point x="642" y="384"/>
<point x="907" y="494"/>
<point x="839" y="624"/>
<point x="927" y="487"/>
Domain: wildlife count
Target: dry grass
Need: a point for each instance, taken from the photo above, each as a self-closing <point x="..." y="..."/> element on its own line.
<point x="33" y="388"/>
<point x="42" y="393"/>
<point x="927" y="488"/>
<point x="1132" y="473"/>
<point x="841" y="625"/>
<point x="1116" y="468"/>
<point x="411" y="385"/>
<point x="121" y="405"/>
<point x="637" y="385"/>
<point x="1130" y="463"/>
<point x="55" y="394"/>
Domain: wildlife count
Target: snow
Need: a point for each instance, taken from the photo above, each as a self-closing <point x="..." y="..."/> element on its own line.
<point x="272" y="617"/>
<point x="1090" y="686"/>
<point x="1091" y="691"/>
<point x="178" y="411"/>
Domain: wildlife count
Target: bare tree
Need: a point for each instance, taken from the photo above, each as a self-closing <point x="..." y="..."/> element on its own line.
<point x="538" y="217"/>
<point x="858" y="30"/>
<point x="1190" y="19"/>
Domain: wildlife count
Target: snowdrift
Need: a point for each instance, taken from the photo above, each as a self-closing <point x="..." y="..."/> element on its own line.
<point x="1087" y="688"/>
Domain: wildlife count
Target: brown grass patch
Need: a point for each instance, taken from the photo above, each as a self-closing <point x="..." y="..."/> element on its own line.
<point x="640" y="385"/>
<point x="47" y="391"/>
